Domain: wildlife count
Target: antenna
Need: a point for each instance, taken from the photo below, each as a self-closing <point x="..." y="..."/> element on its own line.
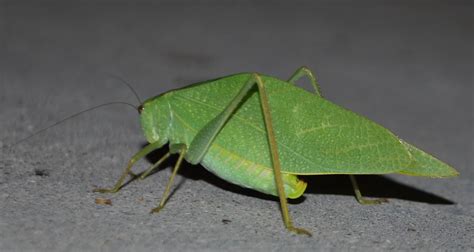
<point x="70" y="117"/>
<point x="128" y="85"/>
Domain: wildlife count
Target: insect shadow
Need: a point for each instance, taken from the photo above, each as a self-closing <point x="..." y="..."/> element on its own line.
<point x="372" y="185"/>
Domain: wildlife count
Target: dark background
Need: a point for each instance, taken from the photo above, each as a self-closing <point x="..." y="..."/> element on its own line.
<point x="404" y="64"/>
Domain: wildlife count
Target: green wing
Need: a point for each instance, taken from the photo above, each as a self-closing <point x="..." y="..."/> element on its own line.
<point x="314" y="135"/>
<point x="426" y="165"/>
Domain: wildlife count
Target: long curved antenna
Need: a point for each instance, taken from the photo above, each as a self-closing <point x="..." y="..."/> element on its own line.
<point x="128" y="85"/>
<point x="70" y="117"/>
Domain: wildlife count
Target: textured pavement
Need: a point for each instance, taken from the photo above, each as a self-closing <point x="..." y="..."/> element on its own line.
<point x="407" y="66"/>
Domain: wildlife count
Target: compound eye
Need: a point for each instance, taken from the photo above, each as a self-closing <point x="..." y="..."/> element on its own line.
<point x="140" y="109"/>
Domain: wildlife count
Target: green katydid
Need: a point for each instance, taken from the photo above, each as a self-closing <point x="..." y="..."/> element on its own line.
<point x="260" y="132"/>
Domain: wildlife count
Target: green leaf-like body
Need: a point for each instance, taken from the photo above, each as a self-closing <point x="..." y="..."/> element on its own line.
<point x="314" y="135"/>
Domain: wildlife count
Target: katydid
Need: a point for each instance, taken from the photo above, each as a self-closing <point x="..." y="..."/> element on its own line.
<point x="263" y="133"/>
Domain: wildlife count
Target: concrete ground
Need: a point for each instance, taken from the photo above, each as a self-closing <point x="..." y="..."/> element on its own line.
<point x="406" y="65"/>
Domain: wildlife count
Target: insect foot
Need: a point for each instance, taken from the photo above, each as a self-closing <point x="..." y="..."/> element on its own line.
<point x="300" y="231"/>
<point x="106" y="190"/>
<point x="372" y="201"/>
<point x="156" y="209"/>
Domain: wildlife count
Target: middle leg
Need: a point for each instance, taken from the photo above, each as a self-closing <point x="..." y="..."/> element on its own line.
<point x="164" y="198"/>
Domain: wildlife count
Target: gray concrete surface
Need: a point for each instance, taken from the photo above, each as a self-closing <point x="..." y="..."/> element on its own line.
<point x="405" y="64"/>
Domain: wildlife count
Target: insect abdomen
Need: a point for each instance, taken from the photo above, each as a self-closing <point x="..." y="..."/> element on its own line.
<point x="236" y="169"/>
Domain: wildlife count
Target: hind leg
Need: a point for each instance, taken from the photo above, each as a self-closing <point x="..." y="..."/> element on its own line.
<point x="362" y="200"/>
